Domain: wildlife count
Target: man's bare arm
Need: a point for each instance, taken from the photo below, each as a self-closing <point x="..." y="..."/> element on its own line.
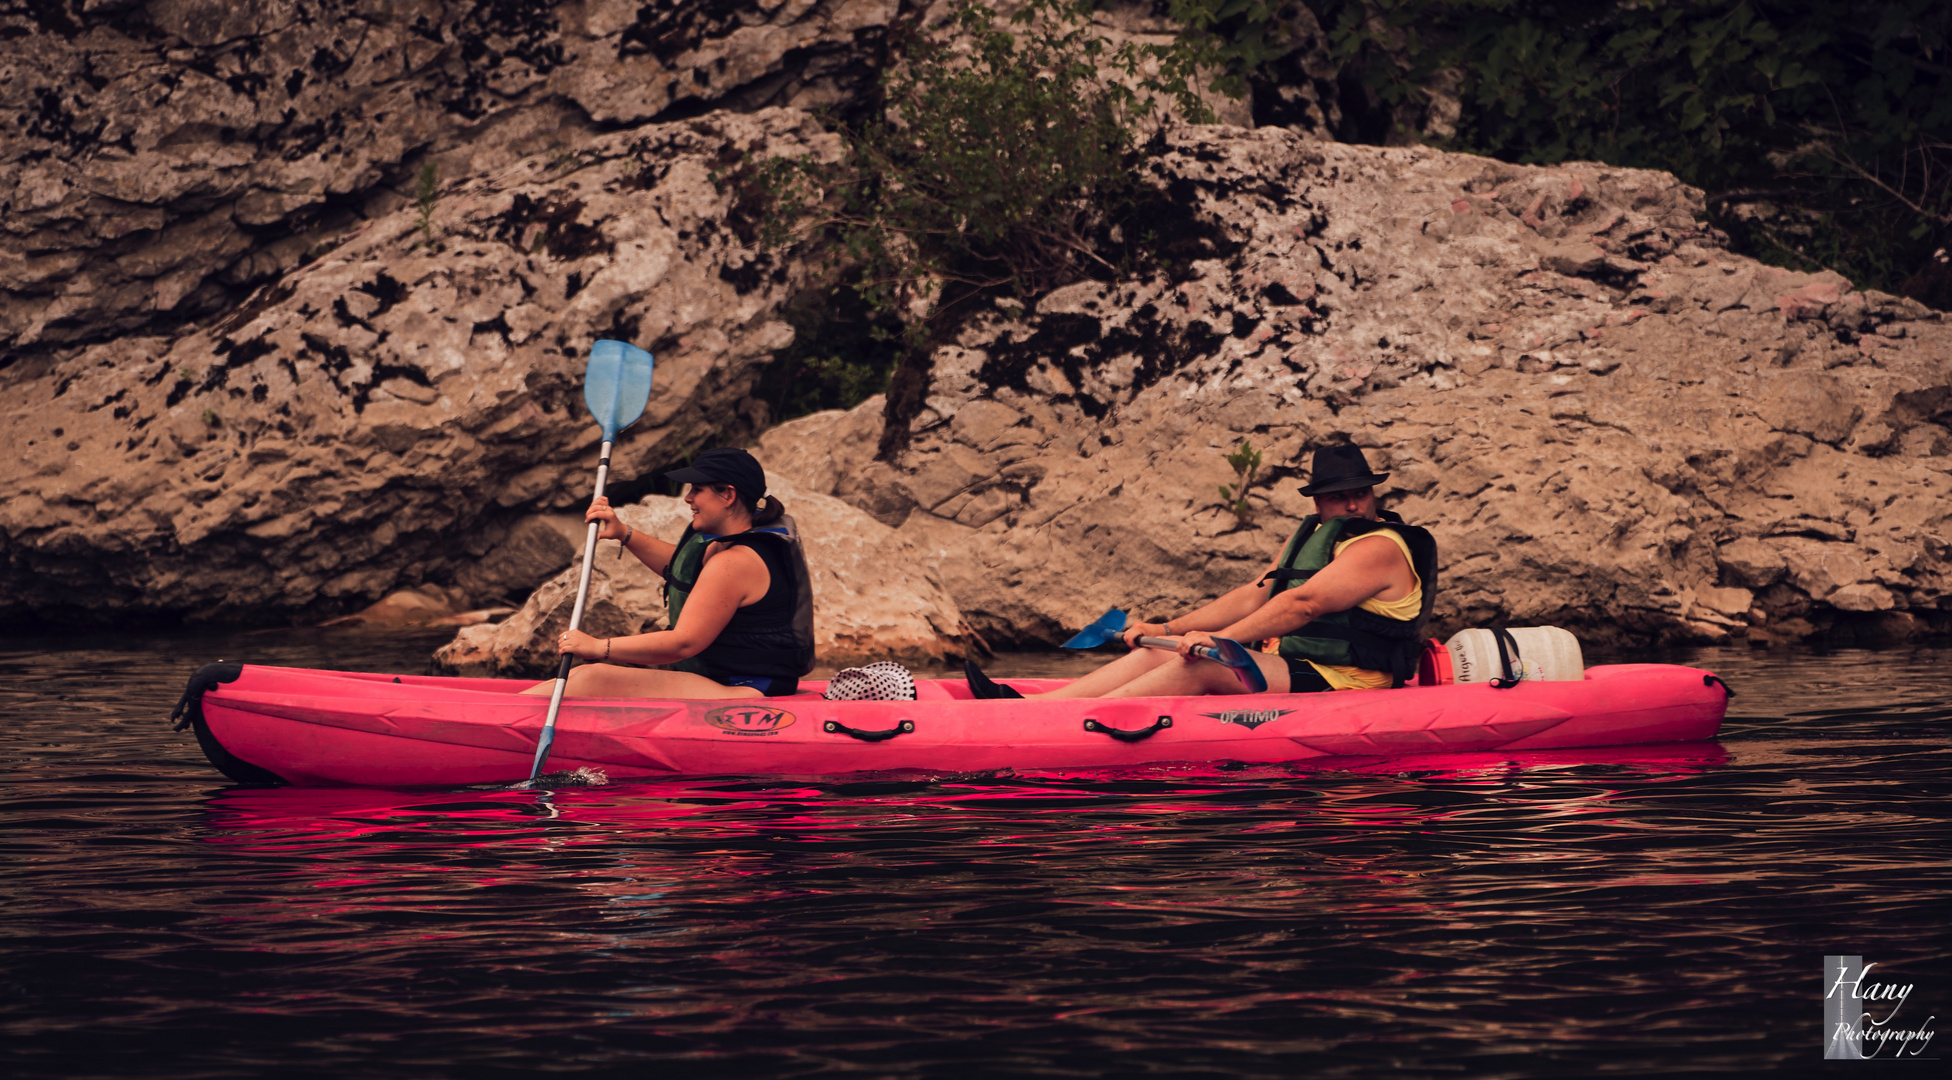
<point x="1361" y="572"/>
<point x="1232" y="606"/>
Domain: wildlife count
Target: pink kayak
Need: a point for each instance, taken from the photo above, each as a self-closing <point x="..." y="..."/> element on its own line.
<point x="315" y="728"/>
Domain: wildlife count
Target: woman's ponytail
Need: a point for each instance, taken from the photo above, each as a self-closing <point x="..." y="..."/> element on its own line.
<point x="769" y="510"/>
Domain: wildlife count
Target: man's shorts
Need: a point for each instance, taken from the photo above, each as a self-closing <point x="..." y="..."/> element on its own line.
<point x="1303" y="678"/>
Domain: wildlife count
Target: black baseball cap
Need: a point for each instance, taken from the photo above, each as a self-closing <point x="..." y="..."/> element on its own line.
<point x="726" y="465"/>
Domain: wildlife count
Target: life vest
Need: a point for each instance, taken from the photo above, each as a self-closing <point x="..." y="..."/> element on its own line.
<point x="743" y="651"/>
<point x="1356" y="638"/>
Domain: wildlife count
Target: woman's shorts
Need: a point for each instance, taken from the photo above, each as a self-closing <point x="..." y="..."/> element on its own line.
<point x="765" y="684"/>
<point x="1303" y="678"/>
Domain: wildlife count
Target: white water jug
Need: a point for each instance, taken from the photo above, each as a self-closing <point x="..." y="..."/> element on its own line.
<point x="1544" y="654"/>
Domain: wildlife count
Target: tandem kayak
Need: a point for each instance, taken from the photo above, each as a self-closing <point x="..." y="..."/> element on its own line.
<point x="270" y="725"/>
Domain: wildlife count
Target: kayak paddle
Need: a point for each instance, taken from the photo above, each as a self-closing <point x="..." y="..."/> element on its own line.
<point x="616" y="386"/>
<point x="1226" y="652"/>
<point x="1107" y="628"/>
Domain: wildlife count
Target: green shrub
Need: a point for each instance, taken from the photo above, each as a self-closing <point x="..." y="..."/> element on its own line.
<point x="995" y="163"/>
<point x="1000" y="159"/>
<point x="843" y="353"/>
<point x="1829" y="121"/>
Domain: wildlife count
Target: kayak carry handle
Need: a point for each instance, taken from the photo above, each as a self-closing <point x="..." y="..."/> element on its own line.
<point x="1158" y="725"/>
<point x="1712" y="680"/>
<point x="835" y="726"/>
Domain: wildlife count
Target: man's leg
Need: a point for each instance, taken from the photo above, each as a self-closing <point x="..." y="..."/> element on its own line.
<point x="1106" y="680"/>
<point x="1181" y="679"/>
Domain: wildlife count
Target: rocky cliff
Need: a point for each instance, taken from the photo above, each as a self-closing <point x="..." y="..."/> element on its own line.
<point x="385" y="413"/>
<point x="162" y="158"/>
<point x="295" y="294"/>
<point x="1609" y="421"/>
<point x="250" y="371"/>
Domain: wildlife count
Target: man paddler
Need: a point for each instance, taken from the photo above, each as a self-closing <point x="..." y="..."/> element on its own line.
<point x="1343" y="608"/>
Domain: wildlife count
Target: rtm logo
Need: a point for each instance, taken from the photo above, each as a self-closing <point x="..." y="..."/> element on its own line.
<point x="749" y="719"/>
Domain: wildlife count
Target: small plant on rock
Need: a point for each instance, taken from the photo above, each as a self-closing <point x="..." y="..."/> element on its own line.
<point x="428" y="191"/>
<point x="1246" y="462"/>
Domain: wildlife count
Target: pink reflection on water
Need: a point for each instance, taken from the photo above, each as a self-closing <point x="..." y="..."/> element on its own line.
<point x="290" y="820"/>
<point x="620" y="856"/>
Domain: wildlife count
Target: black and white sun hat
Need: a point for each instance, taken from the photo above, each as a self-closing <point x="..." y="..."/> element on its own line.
<point x="885" y="681"/>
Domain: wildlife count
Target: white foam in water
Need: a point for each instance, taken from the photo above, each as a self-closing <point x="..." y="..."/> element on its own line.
<point x="581" y="776"/>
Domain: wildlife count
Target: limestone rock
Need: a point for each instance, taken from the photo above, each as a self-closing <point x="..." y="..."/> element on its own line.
<point x="246" y="377"/>
<point x="1609" y="421"/>
<point x="1748" y="561"/>
<point x="382" y="416"/>
<point x="174" y="155"/>
<point x="523" y="646"/>
<point x="531" y="553"/>
<point x="424" y="605"/>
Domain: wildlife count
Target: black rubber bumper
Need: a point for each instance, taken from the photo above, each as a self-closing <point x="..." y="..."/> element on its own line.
<point x="189" y="713"/>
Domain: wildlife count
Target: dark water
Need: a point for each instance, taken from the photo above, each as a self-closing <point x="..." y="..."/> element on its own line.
<point x="1622" y="912"/>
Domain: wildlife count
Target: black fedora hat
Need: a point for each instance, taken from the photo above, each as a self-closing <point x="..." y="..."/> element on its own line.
<point x="1340" y="468"/>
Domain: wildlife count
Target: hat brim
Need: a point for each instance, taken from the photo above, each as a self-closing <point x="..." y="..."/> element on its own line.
<point x="689" y="475"/>
<point x="1347" y="483"/>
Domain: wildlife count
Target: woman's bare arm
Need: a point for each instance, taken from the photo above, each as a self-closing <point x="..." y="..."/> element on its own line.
<point x="648" y="549"/>
<point x="731" y="578"/>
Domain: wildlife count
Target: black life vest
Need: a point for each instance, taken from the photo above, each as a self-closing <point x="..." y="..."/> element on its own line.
<point x="1356" y="638"/>
<point x="771" y="637"/>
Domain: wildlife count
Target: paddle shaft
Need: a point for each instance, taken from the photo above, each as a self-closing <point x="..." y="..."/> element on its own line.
<point x="1171" y="645"/>
<point x="1245" y="669"/>
<point x="575" y="619"/>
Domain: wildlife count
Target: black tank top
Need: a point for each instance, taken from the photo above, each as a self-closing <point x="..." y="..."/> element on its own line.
<point x="759" y="639"/>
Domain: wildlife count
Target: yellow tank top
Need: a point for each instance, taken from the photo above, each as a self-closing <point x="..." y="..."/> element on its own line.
<point x="1355" y="678"/>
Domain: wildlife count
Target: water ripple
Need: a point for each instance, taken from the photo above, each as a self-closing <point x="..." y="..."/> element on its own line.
<point x="1628" y="911"/>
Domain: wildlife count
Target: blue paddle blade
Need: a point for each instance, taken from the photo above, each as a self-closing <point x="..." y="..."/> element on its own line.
<point x="1107" y="627"/>
<point x="1235" y="655"/>
<point x="616" y="385"/>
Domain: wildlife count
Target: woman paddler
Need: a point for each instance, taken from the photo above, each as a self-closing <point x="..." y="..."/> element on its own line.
<point x="736" y="589"/>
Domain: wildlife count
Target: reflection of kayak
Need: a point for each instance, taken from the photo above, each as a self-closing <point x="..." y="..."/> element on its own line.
<point x="270" y="818"/>
<point x="269" y="724"/>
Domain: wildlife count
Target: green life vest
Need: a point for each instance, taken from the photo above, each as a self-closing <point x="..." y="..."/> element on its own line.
<point x="689" y="559"/>
<point x="679" y="577"/>
<point x="682" y="574"/>
<point x="1356" y="638"/>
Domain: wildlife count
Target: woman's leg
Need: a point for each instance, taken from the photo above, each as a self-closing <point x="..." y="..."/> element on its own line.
<point x="612" y="681"/>
<point x="1106" y="680"/>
